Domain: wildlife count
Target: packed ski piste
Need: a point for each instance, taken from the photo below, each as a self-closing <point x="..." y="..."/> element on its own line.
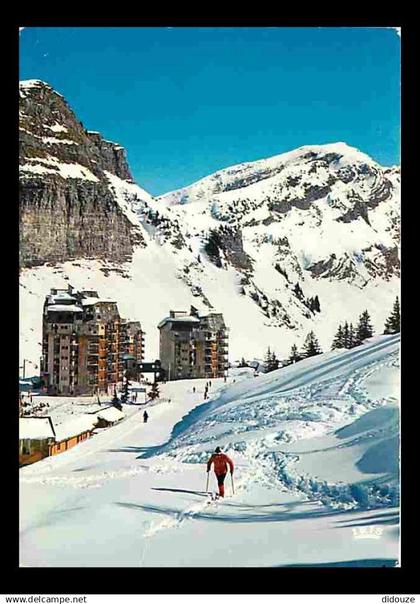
<point x="297" y="467"/>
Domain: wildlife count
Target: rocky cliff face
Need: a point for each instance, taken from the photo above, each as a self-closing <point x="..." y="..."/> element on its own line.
<point x="67" y="207"/>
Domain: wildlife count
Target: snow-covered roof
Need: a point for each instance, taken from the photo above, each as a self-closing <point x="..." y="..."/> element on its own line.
<point x="75" y="426"/>
<point x="61" y="296"/>
<point x="111" y="414"/>
<point x="186" y="319"/>
<point x="88" y="301"/>
<point x="36" y="428"/>
<point x="64" y="307"/>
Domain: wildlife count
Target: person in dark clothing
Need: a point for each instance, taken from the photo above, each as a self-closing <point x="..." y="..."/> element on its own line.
<point x="145" y="417"/>
<point x="221" y="462"/>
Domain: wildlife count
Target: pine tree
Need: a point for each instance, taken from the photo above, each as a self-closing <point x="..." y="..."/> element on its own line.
<point x="154" y="393"/>
<point x="274" y="362"/>
<point x="338" y="341"/>
<point x="243" y="363"/>
<point x="270" y="361"/>
<point x="352" y="338"/>
<point x="346" y="335"/>
<point x="115" y="401"/>
<point x="364" y="328"/>
<point x="392" y="324"/>
<point x="124" y="396"/>
<point x="317" y="306"/>
<point x="311" y="346"/>
<point x="267" y="359"/>
<point x="294" y="355"/>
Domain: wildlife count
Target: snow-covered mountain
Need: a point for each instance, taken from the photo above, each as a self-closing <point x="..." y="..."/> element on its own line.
<point x="325" y="217"/>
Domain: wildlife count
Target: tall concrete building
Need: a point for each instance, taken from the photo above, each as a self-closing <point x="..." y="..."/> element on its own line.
<point x="83" y="343"/>
<point x="132" y="346"/>
<point x="193" y="345"/>
<point x="133" y="339"/>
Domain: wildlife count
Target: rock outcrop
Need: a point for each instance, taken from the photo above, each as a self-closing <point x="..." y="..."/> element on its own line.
<point x="67" y="208"/>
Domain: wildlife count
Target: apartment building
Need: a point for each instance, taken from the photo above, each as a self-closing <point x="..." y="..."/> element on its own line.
<point x="133" y="339"/>
<point x="84" y="340"/>
<point x="193" y="345"/>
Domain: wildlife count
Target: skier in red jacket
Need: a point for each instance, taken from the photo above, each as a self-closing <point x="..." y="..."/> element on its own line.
<point x="221" y="462"/>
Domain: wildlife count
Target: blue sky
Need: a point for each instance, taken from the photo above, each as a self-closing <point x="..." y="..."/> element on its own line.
<point x="185" y="102"/>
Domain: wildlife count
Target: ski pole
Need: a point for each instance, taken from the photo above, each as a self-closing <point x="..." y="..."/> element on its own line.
<point x="207" y="483"/>
<point x="233" y="488"/>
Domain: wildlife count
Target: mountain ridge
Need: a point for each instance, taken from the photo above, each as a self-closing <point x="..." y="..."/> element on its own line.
<point x="335" y="147"/>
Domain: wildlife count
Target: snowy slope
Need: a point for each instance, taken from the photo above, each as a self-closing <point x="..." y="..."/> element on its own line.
<point x="316" y="468"/>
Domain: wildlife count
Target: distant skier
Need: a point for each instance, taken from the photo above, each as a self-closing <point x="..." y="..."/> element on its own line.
<point x="145" y="417"/>
<point x="193" y="389"/>
<point x="221" y="462"/>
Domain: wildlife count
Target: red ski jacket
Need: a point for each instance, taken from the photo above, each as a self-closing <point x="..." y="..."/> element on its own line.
<point x="221" y="462"/>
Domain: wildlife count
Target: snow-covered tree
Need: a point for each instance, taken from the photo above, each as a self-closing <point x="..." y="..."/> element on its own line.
<point x="352" y="342"/>
<point x="338" y="341"/>
<point x="295" y="355"/>
<point x="346" y="340"/>
<point x="124" y="396"/>
<point x="274" y="362"/>
<point x="364" y="328"/>
<point x="270" y="361"/>
<point x="311" y="346"/>
<point x="392" y="324"/>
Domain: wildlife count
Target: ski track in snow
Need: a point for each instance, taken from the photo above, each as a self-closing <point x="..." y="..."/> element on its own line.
<point x="264" y="471"/>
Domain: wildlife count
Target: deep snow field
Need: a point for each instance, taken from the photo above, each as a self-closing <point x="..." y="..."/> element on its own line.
<point x="316" y="450"/>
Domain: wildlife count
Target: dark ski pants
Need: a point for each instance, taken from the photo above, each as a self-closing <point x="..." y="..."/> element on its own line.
<point x="220" y="482"/>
